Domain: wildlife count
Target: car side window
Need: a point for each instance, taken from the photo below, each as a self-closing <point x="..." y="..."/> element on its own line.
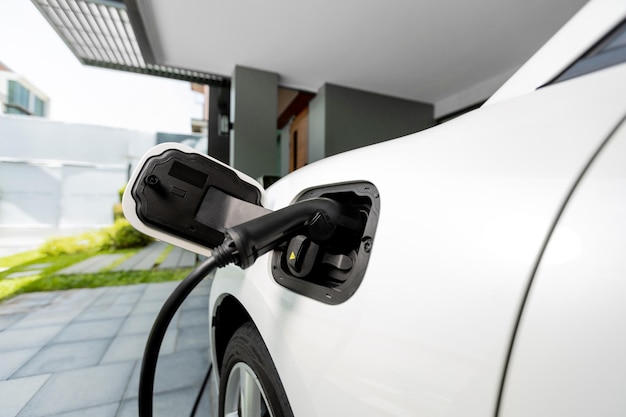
<point x="608" y="52"/>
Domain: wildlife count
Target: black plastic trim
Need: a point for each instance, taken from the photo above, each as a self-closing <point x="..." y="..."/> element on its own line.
<point x="364" y="196"/>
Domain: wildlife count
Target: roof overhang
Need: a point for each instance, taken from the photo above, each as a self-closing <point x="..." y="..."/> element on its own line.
<point x="452" y="55"/>
<point x="108" y="34"/>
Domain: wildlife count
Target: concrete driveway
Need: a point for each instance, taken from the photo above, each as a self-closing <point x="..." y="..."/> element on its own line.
<point x="78" y="352"/>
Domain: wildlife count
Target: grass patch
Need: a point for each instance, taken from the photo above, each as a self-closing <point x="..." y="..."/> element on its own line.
<point x="19" y="258"/>
<point x="52" y="263"/>
<point x="100" y="279"/>
<point x="36" y="270"/>
<point x="44" y="278"/>
<point x="121" y="235"/>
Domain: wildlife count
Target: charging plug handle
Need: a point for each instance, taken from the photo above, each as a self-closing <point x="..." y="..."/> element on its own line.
<point x="319" y="219"/>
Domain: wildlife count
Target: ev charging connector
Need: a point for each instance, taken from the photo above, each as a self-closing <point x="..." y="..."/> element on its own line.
<point x="183" y="197"/>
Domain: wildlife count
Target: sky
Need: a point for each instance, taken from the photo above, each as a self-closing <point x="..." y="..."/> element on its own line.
<point x="82" y="94"/>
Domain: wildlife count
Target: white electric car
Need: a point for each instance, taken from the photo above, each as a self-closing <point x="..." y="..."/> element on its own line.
<point x="489" y="276"/>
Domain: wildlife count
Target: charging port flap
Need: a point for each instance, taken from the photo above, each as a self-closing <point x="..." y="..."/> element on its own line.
<point x="332" y="271"/>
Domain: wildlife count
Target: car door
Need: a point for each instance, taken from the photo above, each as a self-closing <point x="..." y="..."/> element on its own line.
<point x="568" y="356"/>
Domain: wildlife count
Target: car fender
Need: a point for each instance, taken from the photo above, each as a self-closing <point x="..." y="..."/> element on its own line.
<point x="465" y="209"/>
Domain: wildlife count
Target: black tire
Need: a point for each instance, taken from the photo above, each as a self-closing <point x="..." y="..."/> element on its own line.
<point x="246" y="352"/>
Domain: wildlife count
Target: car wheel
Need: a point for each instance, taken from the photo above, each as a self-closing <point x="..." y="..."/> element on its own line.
<point x="249" y="383"/>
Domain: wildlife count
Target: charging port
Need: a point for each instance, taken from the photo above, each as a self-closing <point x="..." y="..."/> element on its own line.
<point x="331" y="271"/>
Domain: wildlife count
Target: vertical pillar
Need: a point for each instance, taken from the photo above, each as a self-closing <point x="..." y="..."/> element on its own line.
<point x="284" y="150"/>
<point x="218" y="125"/>
<point x="317" y="126"/>
<point x="253" y="139"/>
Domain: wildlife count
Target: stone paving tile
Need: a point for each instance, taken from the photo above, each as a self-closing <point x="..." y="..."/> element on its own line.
<point x="75" y="298"/>
<point x="28" y="302"/>
<point x="89" y="330"/>
<point x="125" y="348"/>
<point x="113" y="298"/>
<point x="187" y="260"/>
<point x="148" y="307"/>
<point x="190" y="367"/>
<point x="127" y="289"/>
<point x="172" y="260"/>
<point x="159" y="292"/>
<point x="203" y="289"/>
<point x="206" y="404"/>
<point x="194" y="317"/>
<point x="91" y="265"/>
<point x="123" y="298"/>
<point x="15" y="393"/>
<point x="25" y="338"/>
<point x="173" y="403"/>
<point x="105" y="410"/>
<point x="105" y="312"/>
<point x="144" y="259"/>
<point x="22" y="274"/>
<point x="113" y="324"/>
<point x="7" y="320"/>
<point x="12" y="361"/>
<point x="152" y="254"/>
<point x="44" y="317"/>
<point x="195" y="302"/>
<point x="192" y="337"/>
<point x="38" y="266"/>
<point x="65" y="356"/>
<point x="137" y="324"/>
<point x="80" y="389"/>
<point x="178" y="258"/>
<point x="131" y="346"/>
<point x="105" y="300"/>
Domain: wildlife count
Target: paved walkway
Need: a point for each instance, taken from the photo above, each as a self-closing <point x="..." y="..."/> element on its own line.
<point x="145" y="259"/>
<point x="78" y="352"/>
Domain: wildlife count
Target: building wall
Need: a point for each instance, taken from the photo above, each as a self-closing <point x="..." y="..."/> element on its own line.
<point x="254" y="104"/>
<point x="342" y="119"/>
<point x="219" y="123"/>
<point x="60" y="175"/>
<point x="39" y="194"/>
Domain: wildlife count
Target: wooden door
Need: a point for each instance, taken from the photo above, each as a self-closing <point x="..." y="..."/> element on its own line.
<point x="299" y="141"/>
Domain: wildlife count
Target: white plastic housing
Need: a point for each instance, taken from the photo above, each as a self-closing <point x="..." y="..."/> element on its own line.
<point x="130" y="205"/>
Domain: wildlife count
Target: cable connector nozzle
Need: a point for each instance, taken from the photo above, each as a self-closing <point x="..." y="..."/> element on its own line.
<point x="319" y="219"/>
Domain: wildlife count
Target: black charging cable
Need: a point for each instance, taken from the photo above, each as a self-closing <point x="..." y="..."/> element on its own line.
<point x="320" y="219"/>
<point x="218" y="259"/>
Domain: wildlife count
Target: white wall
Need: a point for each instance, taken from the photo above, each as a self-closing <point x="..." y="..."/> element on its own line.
<point x="61" y="175"/>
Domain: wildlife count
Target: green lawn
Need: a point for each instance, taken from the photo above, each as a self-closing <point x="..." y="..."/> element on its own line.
<point x="46" y="280"/>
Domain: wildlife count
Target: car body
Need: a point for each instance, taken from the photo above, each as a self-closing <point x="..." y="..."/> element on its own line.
<point x="495" y="283"/>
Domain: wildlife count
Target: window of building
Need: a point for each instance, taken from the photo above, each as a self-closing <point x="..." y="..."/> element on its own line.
<point x="39" y="108"/>
<point x="18" y="95"/>
<point x="16" y="110"/>
<point x="21" y="101"/>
